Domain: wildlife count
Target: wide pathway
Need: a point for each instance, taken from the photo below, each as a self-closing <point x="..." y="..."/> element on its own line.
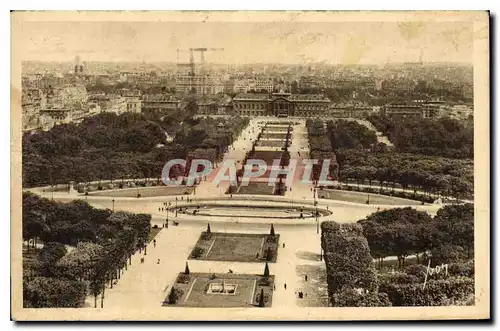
<point x="145" y="286"/>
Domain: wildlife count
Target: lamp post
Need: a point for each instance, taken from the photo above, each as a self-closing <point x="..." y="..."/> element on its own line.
<point x="317" y="221"/>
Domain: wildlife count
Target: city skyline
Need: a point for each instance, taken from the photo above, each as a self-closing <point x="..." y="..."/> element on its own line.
<point x="245" y="42"/>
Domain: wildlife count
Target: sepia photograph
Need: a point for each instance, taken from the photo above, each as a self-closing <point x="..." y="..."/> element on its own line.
<point x="246" y="165"/>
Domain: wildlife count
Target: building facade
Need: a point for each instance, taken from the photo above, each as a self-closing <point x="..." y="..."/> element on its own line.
<point x="280" y="104"/>
<point x="160" y="103"/>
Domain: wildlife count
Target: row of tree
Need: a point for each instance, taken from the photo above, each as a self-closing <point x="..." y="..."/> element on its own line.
<point x="447" y="237"/>
<point x="110" y="146"/>
<point x="320" y="148"/>
<point x="443" y="137"/>
<point x="350" y="134"/>
<point x="445" y="243"/>
<point x="359" y="158"/>
<point x="351" y="277"/>
<point x="101" y="242"/>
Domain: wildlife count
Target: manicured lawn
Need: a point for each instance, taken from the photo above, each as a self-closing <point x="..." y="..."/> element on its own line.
<point x="152" y="191"/>
<point x="193" y="290"/>
<point x="271" y="143"/>
<point x="257" y="188"/>
<point x="240" y="247"/>
<point x="266" y="135"/>
<point x="267" y="156"/>
<point x="152" y="233"/>
<point x="276" y="129"/>
<point x="362" y="197"/>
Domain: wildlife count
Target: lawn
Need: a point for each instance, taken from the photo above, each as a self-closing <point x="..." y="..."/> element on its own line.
<point x="152" y="233"/>
<point x="267" y="135"/>
<point x="192" y="290"/>
<point x="257" y="188"/>
<point x="276" y="129"/>
<point x="239" y="247"/>
<point x="360" y="197"/>
<point x="271" y="143"/>
<point x="152" y="191"/>
<point x="267" y="156"/>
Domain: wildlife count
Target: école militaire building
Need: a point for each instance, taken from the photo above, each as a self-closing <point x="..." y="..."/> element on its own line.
<point x="282" y="104"/>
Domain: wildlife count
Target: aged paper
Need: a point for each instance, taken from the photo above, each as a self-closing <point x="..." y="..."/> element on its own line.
<point x="250" y="166"/>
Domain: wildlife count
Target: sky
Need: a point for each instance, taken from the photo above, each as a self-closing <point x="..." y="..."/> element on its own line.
<point x="249" y="42"/>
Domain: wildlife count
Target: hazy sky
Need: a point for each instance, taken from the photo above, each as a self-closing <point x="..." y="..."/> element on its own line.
<point x="245" y="42"/>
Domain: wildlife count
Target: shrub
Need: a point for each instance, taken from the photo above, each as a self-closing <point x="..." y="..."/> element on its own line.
<point x="442" y="292"/>
<point x="270" y="254"/>
<point x="264" y="281"/>
<point x="183" y="279"/>
<point x="271" y="233"/>
<point x="261" y="298"/>
<point x="175" y="295"/>
<point x="354" y="298"/>
<point x="197" y="252"/>
<point x="416" y="270"/>
<point x="462" y="269"/>
<point x="448" y="254"/>
<point x="266" y="270"/>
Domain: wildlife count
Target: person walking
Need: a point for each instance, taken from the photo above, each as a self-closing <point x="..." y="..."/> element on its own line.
<point x="285" y="286"/>
<point x="154" y="245"/>
<point x="283" y="245"/>
<point x="305" y="277"/>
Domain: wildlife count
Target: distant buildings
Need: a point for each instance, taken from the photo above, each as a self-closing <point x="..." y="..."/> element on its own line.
<point x="259" y="85"/>
<point x="420" y="109"/>
<point x="185" y="82"/>
<point x="161" y="103"/>
<point x="349" y="110"/>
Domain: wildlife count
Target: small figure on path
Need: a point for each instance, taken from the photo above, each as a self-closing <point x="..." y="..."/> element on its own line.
<point x="285" y="286"/>
<point x="154" y="245"/>
<point x="283" y="245"/>
<point x="158" y="261"/>
<point x="305" y="277"/>
<point x="142" y="260"/>
<point x="274" y="287"/>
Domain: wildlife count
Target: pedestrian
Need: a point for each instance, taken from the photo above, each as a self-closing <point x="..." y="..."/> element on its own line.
<point x="154" y="245"/>
<point x="285" y="286"/>
<point x="274" y="287"/>
<point x="159" y="209"/>
<point x="305" y="277"/>
<point x="283" y="245"/>
<point x="158" y="261"/>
